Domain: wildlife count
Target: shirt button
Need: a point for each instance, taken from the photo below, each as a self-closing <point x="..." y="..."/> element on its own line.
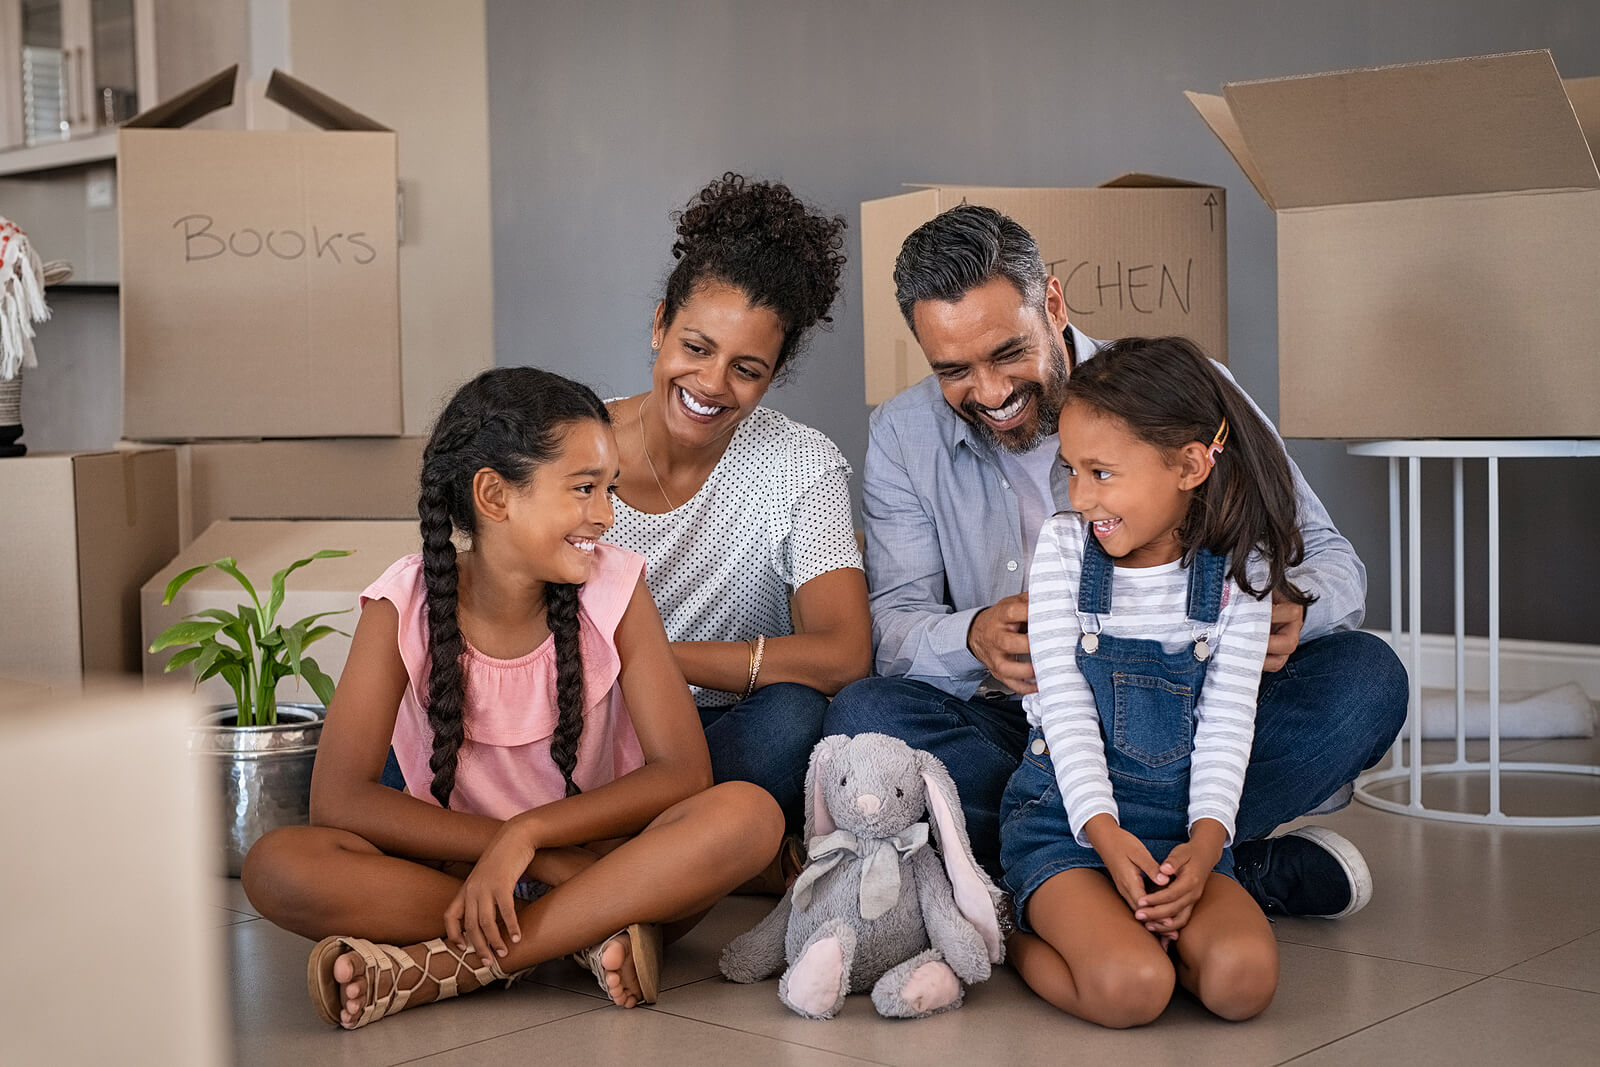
<point x="1005" y="484"/>
<point x="1011" y="564"/>
<point x="1038" y="746"/>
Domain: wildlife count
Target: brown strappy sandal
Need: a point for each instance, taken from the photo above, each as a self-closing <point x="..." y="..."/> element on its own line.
<point x="645" y="941"/>
<point x="379" y="960"/>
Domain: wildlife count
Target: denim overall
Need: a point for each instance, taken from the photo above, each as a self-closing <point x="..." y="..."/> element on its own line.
<point x="1146" y="698"/>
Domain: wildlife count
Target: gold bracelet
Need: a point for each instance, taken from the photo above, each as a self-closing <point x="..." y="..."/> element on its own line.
<point x="755" y="662"/>
<point x="750" y="668"/>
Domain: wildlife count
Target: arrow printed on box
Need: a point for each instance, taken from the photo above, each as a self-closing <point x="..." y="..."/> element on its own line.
<point x="1211" y="209"/>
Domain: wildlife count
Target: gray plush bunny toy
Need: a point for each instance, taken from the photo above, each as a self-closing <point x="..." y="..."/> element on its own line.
<point x="877" y="907"/>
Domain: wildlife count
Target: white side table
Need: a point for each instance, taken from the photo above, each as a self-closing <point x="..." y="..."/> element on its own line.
<point x="1415" y="452"/>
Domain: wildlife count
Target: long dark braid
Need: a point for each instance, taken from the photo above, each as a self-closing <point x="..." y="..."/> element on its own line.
<point x="509" y="420"/>
<point x="561" y="612"/>
<point x="446" y="694"/>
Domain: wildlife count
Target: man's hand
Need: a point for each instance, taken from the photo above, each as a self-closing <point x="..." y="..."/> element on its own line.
<point x="1287" y="618"/>
<point x="998" y="635"/>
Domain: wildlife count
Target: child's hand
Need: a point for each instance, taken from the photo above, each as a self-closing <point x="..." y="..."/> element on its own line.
<point x="1167" y="911"/>
<point x="1127" y="861"/>
<point x="485" y="900"/>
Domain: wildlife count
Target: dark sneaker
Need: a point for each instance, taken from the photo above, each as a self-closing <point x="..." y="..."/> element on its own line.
<point x="1309" y="872"/>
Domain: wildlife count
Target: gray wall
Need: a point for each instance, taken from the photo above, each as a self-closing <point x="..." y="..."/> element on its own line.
<point x="606" y="115"/>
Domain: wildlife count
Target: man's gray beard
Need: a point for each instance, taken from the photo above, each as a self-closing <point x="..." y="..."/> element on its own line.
<point x="1048" y="400"/>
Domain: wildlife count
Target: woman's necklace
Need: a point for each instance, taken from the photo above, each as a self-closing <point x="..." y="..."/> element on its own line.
<point x="644" y="444"/>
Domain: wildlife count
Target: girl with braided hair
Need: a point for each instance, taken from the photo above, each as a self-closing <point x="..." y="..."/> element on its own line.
<point x="558" y="795"/>
<point x="743" y="513"/>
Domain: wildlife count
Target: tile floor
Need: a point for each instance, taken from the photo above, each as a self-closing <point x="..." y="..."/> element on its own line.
<point x="1481" y="946"/>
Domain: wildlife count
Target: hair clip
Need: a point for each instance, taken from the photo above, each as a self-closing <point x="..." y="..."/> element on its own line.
<point x="1217" y="442"/>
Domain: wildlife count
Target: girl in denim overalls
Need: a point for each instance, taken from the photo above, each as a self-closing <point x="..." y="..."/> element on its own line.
<point x="1148" y="616"/>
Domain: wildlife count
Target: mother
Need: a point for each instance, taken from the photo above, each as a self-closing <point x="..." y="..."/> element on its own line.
<point x="736" y="506"/>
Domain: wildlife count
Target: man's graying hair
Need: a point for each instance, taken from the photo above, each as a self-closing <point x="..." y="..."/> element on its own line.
<point x="955" y="252"/>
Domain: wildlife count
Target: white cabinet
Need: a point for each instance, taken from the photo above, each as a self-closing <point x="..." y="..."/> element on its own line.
<point x="73" y="68"/>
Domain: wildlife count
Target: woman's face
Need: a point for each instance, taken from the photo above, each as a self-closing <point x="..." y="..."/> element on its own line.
<point x="714" y="362"/>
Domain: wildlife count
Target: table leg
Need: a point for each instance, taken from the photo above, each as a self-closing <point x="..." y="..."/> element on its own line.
<point x="1395" y="627"/>
<point x="1414" y="564"/>
<point x="1494" y="638"/>
<point x="1461" y="615"/>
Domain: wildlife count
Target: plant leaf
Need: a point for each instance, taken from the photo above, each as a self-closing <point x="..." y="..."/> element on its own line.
<point x="182" y="656"/>
<point x="224" y="617"/>
<point x="226" y="659"/>
<point x="292" y="644"/>
<point x="180" y="581"/>
<point x="321" y="684"/>
<point x="233" y="674"/>
<point x="252" y="624"/>
<point x="317" y="633"/>
<point x="278" y="580"/>
<point x="229" y="565"/>
<point x="183" y="633"/>
<point x="305" y="623"/>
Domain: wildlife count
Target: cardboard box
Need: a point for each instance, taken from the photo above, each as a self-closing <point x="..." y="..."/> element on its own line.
<point x="81" y="532"/>
<point x="96" y="784"/>
<point x="311" y="478"/>
<point x="260" y="281"/>
<point x="1438" y="272"/>
<point x="262" y="548"/>
<point x="1140" y="255"/>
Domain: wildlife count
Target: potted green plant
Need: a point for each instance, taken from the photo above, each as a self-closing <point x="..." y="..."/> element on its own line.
<point x="262" y="751"/>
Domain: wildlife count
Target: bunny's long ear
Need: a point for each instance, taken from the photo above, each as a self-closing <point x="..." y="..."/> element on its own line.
<point x="818" y="822"/>
<point x="975" y="894"/>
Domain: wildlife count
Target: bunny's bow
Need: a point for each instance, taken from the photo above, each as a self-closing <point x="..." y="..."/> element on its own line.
<point x="880" y="873"/>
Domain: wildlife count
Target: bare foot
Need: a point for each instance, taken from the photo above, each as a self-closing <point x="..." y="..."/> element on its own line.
<point x="621" y="977"/>
<point x="422" y="980"/>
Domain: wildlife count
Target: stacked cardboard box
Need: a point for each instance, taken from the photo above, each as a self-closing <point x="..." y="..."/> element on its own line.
<point x="1140" y="255"/>
<point x="261" y="335"/>
<point x="1437" y="262"/>
<point x="80" y="532"/>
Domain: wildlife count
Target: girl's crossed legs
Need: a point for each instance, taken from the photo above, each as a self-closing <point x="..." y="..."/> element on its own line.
<point x="320" y="882"/>
<point x="1092" y="958"/>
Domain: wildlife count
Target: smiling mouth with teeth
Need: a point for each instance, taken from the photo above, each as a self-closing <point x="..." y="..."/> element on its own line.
<point x="1106" y="526"/>
<point x="581" y="545"/>
<point x="1007" y="413"/>
<point x="703" y="410"/>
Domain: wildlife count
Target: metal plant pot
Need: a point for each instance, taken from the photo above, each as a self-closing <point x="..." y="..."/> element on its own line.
<point x="263" y="773"/>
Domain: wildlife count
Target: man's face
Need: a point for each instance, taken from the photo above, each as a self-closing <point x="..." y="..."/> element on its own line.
<point x="1001" y="364"/>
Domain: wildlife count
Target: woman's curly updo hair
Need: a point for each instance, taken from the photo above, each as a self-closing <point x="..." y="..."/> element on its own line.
<point x="510" y="420"/>
<point x="764" y="241"/>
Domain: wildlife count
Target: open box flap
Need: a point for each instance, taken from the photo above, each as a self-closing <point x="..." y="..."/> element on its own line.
<point x="1214" y="110"/>
<point x="1487" y="124"/>
<point x="1138" y="180"/>
<point x="288" y="92"/>
<point x="1584" y="95"/>
<point x="316" y="107"/>
<point x="214" y="93"/>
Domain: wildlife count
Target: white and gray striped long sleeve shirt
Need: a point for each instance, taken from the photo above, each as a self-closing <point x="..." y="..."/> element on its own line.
<point x="1146" y="603"/>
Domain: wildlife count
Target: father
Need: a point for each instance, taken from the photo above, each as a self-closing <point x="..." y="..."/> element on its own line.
<point x="958" y="481"/>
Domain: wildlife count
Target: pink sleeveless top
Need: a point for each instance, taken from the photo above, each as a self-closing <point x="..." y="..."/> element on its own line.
<point x="510" y="711"/>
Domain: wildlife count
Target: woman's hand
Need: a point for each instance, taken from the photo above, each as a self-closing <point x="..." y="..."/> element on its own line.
<point x="1189" y="867"/>
<point x="485" y="902"/>
<point x="1127" y="861"/>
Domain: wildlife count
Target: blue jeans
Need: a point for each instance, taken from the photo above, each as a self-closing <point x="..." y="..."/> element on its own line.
<point x="1330" y="713"/>
<point x="767" y="739"/>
